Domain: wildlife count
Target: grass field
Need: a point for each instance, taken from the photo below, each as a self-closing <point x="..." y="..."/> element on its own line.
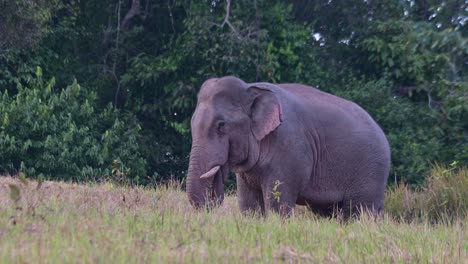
<point x="104" y="223"/>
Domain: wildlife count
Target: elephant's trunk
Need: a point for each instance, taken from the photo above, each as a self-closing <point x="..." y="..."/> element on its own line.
<point x="195" y="185"/>
<point x="205" y="185"/>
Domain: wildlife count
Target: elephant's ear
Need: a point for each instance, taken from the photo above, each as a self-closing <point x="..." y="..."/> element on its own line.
<point x="265" y="109"/>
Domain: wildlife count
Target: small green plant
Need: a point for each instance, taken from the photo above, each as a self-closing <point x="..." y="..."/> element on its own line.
<point x="15" y="193"/>
<point x="119" y="171"/>
<point x="275" y="192"/>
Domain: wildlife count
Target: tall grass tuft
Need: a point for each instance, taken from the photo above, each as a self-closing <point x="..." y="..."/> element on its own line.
<point x="443" y="198"/>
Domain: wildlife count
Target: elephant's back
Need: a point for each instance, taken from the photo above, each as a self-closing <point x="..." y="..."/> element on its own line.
<point x="339" y="120"/>
<point x="312" y="96"/>
<point x="328" y="109"/>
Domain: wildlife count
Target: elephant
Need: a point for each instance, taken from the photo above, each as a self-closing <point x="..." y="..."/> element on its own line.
<point x="287" y="144"/>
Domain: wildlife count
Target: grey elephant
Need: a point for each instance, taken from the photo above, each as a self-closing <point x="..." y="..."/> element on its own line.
<point x="287" y="144"/>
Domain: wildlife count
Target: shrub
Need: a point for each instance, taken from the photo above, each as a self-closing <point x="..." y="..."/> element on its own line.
<point x="444" y="198"/>
<point x="62" y="135"/>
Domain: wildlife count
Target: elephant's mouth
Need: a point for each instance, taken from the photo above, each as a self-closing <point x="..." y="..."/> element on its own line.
<point x="216" y="178"/>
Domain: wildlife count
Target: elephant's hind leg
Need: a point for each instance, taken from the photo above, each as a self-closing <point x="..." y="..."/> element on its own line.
<point x="360" y="205"/>
<point x="322" y="212"/>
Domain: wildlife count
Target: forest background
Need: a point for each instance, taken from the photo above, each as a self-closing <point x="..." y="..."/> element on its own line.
<point x="100" y="89"/>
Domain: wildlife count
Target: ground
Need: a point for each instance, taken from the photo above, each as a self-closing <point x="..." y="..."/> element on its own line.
<point x="57" y="222"/>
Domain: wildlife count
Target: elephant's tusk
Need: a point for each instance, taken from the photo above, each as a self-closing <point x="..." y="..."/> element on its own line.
<point x="210" y="173"/>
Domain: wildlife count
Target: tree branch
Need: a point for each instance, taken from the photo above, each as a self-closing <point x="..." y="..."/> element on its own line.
<point x="134" y="11"/>
<point x="171" y="16"/>
<point x="227" y="22"/>
<point x="226" y="19"/>
<point x="145" y="13"/>
<point x="257" y="29"/>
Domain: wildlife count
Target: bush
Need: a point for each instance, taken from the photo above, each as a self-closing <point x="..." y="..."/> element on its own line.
<point x="62" y="135"/>
<point x="444" y="198"/>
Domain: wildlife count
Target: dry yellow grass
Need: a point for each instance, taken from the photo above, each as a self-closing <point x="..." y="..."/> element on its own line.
<point x="105" y="223"/>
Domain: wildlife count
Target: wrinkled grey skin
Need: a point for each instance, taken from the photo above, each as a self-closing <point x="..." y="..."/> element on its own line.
<point x="288" y="144"/>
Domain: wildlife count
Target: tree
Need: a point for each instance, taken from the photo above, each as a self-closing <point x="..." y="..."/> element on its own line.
<point x="403" y="61"/>
<point x="23" y="23"/>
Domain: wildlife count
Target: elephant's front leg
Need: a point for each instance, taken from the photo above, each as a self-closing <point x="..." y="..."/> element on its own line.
<point x="280" y="197"/>
<point x="250" y="199"/>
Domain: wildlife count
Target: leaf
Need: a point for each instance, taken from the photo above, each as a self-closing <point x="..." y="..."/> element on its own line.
<point x="38" y="72"/>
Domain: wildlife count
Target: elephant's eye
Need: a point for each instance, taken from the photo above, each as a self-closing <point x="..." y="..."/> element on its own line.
<point x="220" y="127"/>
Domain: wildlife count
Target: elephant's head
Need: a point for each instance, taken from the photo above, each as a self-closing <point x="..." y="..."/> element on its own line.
<point x="230" y="120"/>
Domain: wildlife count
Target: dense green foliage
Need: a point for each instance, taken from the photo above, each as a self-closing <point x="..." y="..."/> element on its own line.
<point x="402" y="61"/>
<point x="64" y="135"/>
